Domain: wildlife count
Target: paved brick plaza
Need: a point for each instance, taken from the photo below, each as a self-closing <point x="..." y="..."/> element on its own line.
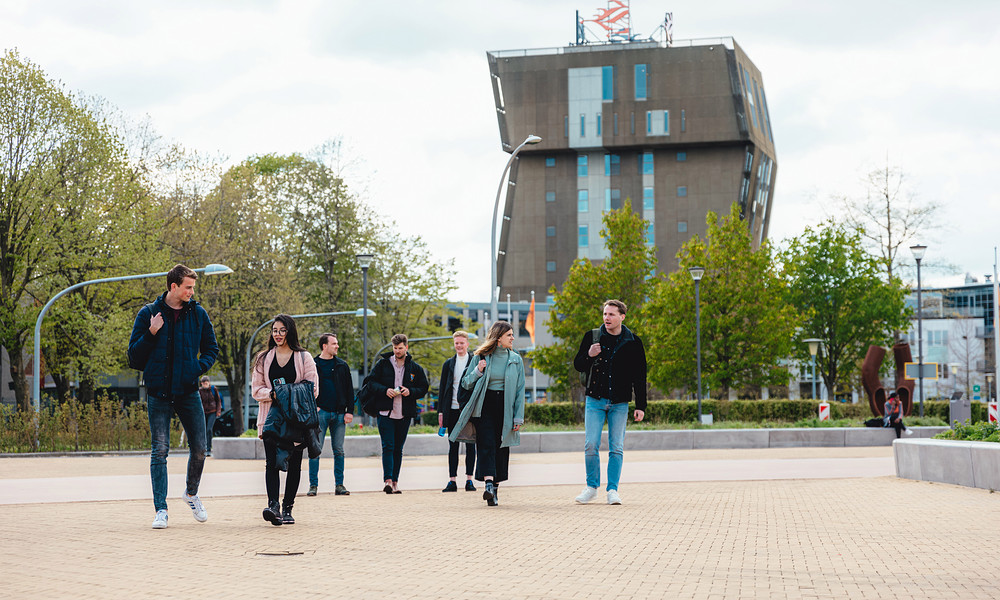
<point x="865" y="537"/>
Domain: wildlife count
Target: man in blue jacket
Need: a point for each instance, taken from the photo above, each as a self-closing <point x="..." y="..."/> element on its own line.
<point x="173" y="343"/>
<point x="614" y="360"/>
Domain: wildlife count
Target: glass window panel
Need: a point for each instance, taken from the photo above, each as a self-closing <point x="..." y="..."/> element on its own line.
<point x="640" y="82"/>
<point x="583" y="201"/>
<point x="550" y="231"/>
<point x="550" y="161"/>
<point x="550" y="266"/>
<point x="648" y="199"/>
<point x="550" y="196"/>
<point x="682" y="226"/>
<point x="584" y="236"/>
<point x="682" y="156"/>
<point x="608" y="83"/>
<point x="682" y="191"/>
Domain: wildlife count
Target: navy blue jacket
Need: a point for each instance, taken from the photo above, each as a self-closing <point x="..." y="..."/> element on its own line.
<point x="174" y="358"/>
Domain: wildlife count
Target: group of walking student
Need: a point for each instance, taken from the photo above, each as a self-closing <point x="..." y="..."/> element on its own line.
<point x="301" y="398"/>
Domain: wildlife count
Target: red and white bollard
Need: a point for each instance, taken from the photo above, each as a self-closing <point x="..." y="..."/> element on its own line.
<point x="992" y="409"/>
<point x="824" y="411"/>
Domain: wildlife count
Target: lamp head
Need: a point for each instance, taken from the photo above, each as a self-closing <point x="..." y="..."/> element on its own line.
<point x="532" y="139"/>
<point x="214" y="269"/>
<point x="918" y="251"/>
<point x="813" y="345"/>
<point x="361" y="313"/>
<point x="696" y="273"/>
<point x="365" y="260"/>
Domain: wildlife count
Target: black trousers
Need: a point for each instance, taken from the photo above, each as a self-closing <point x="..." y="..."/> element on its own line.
<point x="470" y="449"/>
<point x="899" y="427"/>
<point x="271" y="479"/>
<point x="493" y="461"/>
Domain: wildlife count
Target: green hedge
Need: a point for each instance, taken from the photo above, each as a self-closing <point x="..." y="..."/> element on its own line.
<point x="683" y="411"/>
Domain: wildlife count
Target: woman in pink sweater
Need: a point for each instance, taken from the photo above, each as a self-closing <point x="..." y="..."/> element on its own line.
<point x="284" y="361"/>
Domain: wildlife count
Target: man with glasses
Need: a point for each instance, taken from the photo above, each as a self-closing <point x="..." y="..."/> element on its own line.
<point x="173" y="344"/>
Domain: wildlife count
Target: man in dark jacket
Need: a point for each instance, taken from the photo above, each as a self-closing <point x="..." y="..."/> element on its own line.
<point x="173" y="343"/>
<point x="452" y="398"/>
<point x="395" y="383"/>
<point x="614" y="361"/>
<point x="336" y="404"/>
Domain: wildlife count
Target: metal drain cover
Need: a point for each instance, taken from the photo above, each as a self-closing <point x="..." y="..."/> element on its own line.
<point x="280" y="553"/>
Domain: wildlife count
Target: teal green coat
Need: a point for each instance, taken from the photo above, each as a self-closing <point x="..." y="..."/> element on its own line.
<point x="513" y="398"/>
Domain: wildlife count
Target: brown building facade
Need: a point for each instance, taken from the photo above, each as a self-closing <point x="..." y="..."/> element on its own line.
<point x="673" y="132"/>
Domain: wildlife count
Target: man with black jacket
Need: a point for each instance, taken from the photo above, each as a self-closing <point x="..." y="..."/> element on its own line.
<point x="614" y="360"/>
<point x="335" y="402"/>
<point x="395" y="383"/>
<point x="452" y="398"/>
<point x="173" y="343"/>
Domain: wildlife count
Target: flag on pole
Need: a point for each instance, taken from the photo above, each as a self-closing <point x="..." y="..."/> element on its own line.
<point x="529" y="323"/>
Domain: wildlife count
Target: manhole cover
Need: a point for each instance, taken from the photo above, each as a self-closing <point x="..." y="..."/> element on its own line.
<point x="282" y="553"/>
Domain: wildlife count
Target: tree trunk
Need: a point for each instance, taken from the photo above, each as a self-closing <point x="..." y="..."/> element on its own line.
<point x="62" y="387"/>
<point x="15" y="352"/>
<point x="85" y="393"/>
<point x="236" y="382"/>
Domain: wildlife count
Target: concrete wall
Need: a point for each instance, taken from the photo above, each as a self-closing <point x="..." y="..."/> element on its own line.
<point x="972" y="464"/>
<point x="572" y="441"/>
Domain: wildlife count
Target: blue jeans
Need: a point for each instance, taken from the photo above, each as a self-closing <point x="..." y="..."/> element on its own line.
<point x="335" y="423"/>
<point x="393" y="433"/>
<point x="597" y="411"/>
<point x="192" y="415"/>
<point x="209" y="426"/>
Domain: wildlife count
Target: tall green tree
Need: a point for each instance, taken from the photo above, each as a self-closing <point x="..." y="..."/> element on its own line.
<point x="576" y="309"/>
<point x="746" y="325"/>
<point x="840" y="292"/>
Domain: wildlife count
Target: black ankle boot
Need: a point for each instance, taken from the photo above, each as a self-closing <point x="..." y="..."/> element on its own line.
<point x="286" y="514"/>
<point x="496" y="494"/>
<point x="272" y="514"/>
<point x="490" y="494"/>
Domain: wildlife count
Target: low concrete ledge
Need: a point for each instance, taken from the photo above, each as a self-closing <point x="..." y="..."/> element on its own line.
<point x="572" y="441"/>
<point x="972" y="464"/>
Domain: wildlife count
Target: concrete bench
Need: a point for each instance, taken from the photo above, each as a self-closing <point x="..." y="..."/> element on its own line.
<point x="972" y="464"/>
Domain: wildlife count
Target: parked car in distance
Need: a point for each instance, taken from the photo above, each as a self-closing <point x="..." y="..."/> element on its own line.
<point x="224" y="426"/>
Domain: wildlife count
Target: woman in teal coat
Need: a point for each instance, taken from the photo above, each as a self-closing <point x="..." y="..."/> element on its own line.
<point x="496" y="407"/>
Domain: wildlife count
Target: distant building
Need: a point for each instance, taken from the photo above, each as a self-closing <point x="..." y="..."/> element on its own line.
<point x="673" y="131"/>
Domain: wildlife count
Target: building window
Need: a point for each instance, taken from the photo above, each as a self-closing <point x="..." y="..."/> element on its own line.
<point x="682" y="226"/>
<point x="682" y="156"/>
<point x="612" y="199"/>
<point x="649" y="234"/>
<point x="584" y="236"/>
<point x="550" y="196"/>
<point x="608" y="83"/>
<point x="581" y="165"/>
<point x="583" y="125"/>
<point x="582" y="201"/>
<point x="632" y="118"/>
<point x="616" y="124"/>
<point x="648" y="199"/>
<point x="598" y="123"/>
<point x="647" y="163"/>
<point x="566" y="126"/>
<point x="612" y="165"/>
<point x="682" y="191"/>
<point x="666" y="122"/>
<point x="550" y="266"/>
<point x="649" y="121"/>
<point x="640" y="82"/>
<point x="550" y="161"/>
<point x="550" y="231"/>
<point x="683" y="123"/>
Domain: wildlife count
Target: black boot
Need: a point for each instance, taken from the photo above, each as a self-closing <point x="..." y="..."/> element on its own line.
<point x="451" y="487"/>
<point x="272" y="513"/>
<point x="496" y="494"/>
<point x="286" y="514"/>
<point x="490" y="494"/>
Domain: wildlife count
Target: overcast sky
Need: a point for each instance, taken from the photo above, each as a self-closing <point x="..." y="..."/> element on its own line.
<point x="406" y="85"/>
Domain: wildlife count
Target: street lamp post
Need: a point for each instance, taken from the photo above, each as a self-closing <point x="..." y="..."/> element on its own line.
<point x="531" y="139"/>
<point x="989" y="387"/>
<point x="813" y="350"/>
<point x="954" y="376"/>
<point x="918" y="254"/>
<point x="365" y="262"/>
<point x="246" y="389"/>
<point x="696" y="274"/>
<point x="36" y="386"/>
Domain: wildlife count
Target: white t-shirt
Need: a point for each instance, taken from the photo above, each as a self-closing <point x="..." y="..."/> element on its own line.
<point x="456" y="376"/>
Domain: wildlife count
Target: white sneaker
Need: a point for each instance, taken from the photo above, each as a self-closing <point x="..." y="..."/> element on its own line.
<point x="908" y="432"/>
<point x="586" y="495"/>
<point x="160" y="520"/>
<point x="613" y="497"/>
<point x="200" y="514"/>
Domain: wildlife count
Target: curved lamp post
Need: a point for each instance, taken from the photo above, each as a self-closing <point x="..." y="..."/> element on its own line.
<point x="531" y="139"/>
<point x="813" y="350"/>
<point x="246" y="373"/>
<point x="696" y="274"/>
<point x="36" y="386"/>
<point x="918" y="255"/>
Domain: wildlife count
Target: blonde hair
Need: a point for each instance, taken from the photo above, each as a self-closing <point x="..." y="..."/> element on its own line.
<point x="459" y="334"/>
<point x="497" y="330"/>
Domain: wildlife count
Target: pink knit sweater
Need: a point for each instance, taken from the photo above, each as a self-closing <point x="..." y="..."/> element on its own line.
<point x="260" y="387"/>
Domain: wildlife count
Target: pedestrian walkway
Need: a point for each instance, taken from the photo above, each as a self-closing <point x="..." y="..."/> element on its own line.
<point x="780" y="523"/>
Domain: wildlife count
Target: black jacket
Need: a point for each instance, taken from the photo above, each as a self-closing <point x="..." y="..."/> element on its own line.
<point x="383" y="377"/>
<point x="292" y="420"/>
<point x="343" y="384"/>
<point x="625" y="365"/>
<point x="170" y="359"/>
<point x="448" y="382"/>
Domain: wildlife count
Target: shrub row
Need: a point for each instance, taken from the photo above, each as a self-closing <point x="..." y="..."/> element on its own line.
<point x="979" y="432"/>
<point x="104" y="424"/>
<point x="683" y="411"/>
